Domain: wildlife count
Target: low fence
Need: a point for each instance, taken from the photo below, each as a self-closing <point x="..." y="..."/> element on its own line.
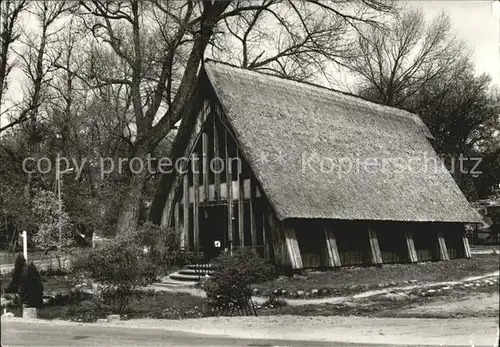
<point x="41" y="264"/>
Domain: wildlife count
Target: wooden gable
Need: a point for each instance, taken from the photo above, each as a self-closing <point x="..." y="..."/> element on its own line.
<point x="212" y="158"/>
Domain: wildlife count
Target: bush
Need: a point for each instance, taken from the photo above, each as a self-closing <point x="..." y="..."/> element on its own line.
<point x="17" y="275"/>
<point x="242" y="268"/>
<point x="55" y="231"/>
<point x="120" y="266"/>
<point x="31" y="288"/>
<point x="230" y="283"/>
<point x="163" y="244"/>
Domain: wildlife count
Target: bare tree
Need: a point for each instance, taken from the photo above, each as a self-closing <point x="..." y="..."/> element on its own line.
<point x="9" y="14"/>
<point x="33" y="61"/>
<point x="394" y="64"/>
<point x="304" y="41"/>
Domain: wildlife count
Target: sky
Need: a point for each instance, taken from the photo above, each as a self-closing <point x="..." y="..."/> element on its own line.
<point x="472" y="21"/>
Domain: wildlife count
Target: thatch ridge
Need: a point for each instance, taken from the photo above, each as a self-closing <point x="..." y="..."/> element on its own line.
<point x="391" y="109"/>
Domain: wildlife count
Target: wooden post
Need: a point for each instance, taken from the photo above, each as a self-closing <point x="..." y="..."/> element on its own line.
<point x="443" y="251"/>
<point x="25" y="245"/>
<point x="185" y="205"/>
<point x="292" y="247"/>
<point x="166" y="219"/>
<point x="216" y="155"/>
<point x="196" y="227"/>
<point x="277" y="238"/>
<point x="177" y="223"/>
<point x="196" y="182"/>
<point x="265" y="236"/>
<point x="331" y="246"/>
<point x="205" y="163"/>
<point x="374" y="246"/>
<point x="410" y="246"/>
<point x="229" y="192"/>
<point x="176" y="216"/>
<point x="465" y="241"/>
<point x="241" y="206"/>
<point x="253" y="193"/>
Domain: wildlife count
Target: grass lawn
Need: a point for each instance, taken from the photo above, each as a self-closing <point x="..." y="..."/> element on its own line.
<point x="355" y="279"/>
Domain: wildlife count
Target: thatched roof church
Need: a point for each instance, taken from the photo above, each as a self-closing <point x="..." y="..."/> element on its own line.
<point x="318" y="178"/>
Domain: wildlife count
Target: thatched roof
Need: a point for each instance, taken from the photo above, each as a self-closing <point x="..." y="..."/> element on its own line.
<point x="274" y="117"/>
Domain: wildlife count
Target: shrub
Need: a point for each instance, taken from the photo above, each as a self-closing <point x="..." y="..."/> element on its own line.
<point x="55" y="231"/>
<point x="242" y="268"/>
<point x="17" y="274"/>
<point x="120" y="266"/>
<point x="31" y="288"/>
<point x="163" y="244"/>
<point x="230" y="283"/>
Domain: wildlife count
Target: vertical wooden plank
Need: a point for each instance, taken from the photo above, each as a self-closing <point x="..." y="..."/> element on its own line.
<point x="292" y="247"/>
<point x="265" y="236"/>
<point x="185" y="206"/>
<point x="253" y="234"/>
<point x="166" y="218"/>
<point x="465" y="241"/>
<point x="177" y="223"/>
<point x="205" y="163"/>
<point x="176" y="216"/>
<point x="443" y="251"/>
<point x="275" y="237"/>
<point x="331" y="246"/>
<point x="374" y="247"/>
<point x="241" y="206"/>
<point x="216" y="155"/>
<point x="410" y="246"/>
<point x="229" y="193"/>
<point x="196" y="227"/>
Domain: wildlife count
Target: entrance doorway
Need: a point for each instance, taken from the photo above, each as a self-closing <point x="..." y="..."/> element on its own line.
<point x="213" y="230"/>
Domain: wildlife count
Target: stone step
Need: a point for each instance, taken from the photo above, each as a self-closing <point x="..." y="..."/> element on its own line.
<point x="195" y="272"/>
<point x="200" y="266"/>
<point x="180" y="277"/>
<point x="172" y="284"/>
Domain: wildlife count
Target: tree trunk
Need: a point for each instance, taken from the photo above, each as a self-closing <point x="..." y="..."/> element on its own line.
<point x="128" y="217"/>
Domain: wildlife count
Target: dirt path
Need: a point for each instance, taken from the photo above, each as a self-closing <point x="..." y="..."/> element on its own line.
<point x="470" y="331"/>
<point x="370" y="293"/>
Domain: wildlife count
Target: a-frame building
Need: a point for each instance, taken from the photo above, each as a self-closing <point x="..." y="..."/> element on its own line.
<point x="281" y="167"/>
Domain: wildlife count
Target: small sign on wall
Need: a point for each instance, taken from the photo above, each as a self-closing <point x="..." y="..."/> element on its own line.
<point x="217" y="244"/>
